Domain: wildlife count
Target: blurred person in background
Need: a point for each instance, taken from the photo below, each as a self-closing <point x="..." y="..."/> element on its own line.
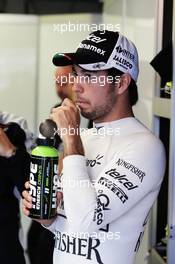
<point x="14" y="171"/>
<point x="6" y="117"/>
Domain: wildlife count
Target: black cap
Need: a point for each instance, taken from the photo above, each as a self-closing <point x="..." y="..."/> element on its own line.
<point x="102" y="50"/>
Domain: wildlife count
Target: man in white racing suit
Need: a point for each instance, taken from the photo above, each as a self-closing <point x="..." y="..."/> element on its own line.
<point x="111" y="173"/>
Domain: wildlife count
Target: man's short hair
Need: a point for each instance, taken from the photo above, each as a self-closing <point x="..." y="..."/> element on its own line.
<point x="133" y="91"/>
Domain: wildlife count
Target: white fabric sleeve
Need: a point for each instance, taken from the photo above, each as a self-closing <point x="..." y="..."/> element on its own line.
<point x="116" y="190"/>
<point x="51" y="227"/>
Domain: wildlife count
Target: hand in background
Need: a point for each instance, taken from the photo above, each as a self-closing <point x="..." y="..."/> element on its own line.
<point x="6" y="147"/>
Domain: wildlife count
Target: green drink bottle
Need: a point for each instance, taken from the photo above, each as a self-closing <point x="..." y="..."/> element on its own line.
<point x="43" y="179"/>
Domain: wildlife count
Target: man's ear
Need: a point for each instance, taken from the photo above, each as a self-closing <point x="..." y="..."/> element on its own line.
<point x="123" y="84"/>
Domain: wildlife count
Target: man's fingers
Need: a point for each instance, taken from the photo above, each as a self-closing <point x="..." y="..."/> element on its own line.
<point x="67" y="102"/>
<point x="27" y="185"/>
<point x="59" y="197"/>
<point x="25" y="211"/>
<point x="56" y="109"/>
<point x="61" y="109"/>
<point x="26" y="204"/>
<point x="27" y="201"/>
<point x="78" y="108"/>
<point x="27" y="196"/>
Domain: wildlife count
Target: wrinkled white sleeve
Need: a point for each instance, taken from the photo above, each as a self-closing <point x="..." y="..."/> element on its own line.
<point x="90" y="207"/>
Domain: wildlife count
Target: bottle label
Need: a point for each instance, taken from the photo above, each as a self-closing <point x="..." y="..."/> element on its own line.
<point x="43" y="186"/>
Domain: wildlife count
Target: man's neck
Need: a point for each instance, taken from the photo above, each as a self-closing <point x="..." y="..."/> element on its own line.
<point x="116" y="115"/>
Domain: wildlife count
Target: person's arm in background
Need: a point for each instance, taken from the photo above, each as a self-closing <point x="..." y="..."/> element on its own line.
<point x="14" y="154"/>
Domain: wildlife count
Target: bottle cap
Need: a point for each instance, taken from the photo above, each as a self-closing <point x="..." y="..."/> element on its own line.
<point x="48" y="128"/>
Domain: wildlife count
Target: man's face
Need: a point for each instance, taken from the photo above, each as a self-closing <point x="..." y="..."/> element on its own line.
<point x="62" y="84"/>
<point x="95" y="96"/>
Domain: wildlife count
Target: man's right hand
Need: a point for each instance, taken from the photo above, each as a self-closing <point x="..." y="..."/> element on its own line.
<point x="27" y="205"/>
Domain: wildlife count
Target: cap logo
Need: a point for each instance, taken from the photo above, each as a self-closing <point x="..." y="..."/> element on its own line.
<point x="125" y="53"/>
<point x="122" y="62"/>
<point x="93" y="48"/>
<point x="95" y="39"/>
<point x="98" y="65"/>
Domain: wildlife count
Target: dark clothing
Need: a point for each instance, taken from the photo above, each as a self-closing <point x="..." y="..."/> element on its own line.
<point x="163" y="63"/>
<point x="14" y="172"/>
<point x="40" y="244"/>
<point x="11" y="250"/>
